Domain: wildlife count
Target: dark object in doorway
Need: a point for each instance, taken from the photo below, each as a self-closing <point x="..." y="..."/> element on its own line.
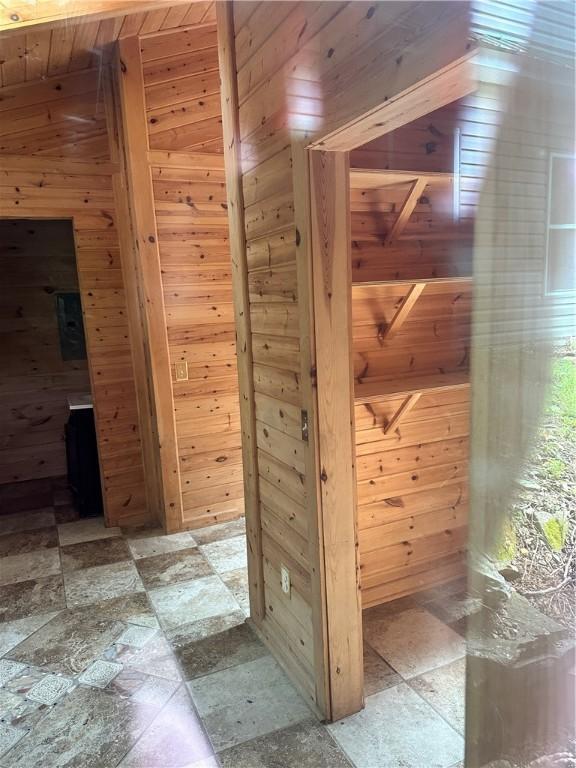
<point x="82" y="461"/>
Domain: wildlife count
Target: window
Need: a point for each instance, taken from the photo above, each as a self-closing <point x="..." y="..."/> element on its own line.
<point x="561" y="226"/>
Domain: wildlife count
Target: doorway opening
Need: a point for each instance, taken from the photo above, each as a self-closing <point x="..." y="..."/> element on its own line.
<point x="412" y="213"/>
<point x="46" y="409"/>
<point x="393" y="301"/>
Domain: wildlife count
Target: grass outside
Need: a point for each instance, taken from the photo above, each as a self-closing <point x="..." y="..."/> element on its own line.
<point x="541" y="543"/>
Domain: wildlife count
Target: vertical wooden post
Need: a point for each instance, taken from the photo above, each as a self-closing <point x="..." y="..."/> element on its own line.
<point x="235" y="197"/>
<point x="164" y="485"/>
<point x="308" y="388"/>
<point x="133" y="293"/>
<point x="332" y="277"/>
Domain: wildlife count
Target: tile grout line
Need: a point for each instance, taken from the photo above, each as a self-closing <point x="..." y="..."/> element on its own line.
<point x="209" y="674"/>
<point x="183" y="682"/>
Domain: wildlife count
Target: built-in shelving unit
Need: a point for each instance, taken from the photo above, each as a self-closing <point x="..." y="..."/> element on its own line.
<point x="410" y="343"/>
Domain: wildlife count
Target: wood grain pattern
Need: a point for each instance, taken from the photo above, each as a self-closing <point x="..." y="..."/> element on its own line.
<point x="411" y="343"/>
<point x="148" y="275"/>
<point x="48" y="39"/>
<point x="182" y="113"/>
<point x="62" y="190"/>
<point x="302" y="73"/>
<point x="250" y="407"/>
<point x="329" y="178"/>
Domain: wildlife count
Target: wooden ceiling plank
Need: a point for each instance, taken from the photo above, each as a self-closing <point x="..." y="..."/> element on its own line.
<point x="60" y="50"/>
<point x="210" y="15"/>
<point x="19" y="97"/>
<point x="154" y="20"/>
<point x="132" y="25"/>
<point x="37" y="53"/>
<point x="196" y="14"/>
<point x="154" y="45"/>
<point x="13" y="58"/>
<point x="175" y="16"/>
<point x="84" y="45"/>
<point x="108" y="31"/>
<point x="18" y="15"/>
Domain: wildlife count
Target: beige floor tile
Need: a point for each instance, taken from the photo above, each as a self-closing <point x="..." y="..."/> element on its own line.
<point x="247" y="701"/>
<point x="226" y="555"/>
<point x="444" y="689"/>
<point x="176" y="739"/>
<point x="219" y="532"/>
<point x="192" y="601"/>
<point x="12" y="633"/>
<point x="378" y="675"/>
<point x="159" y="545"/>
<point x="398" y="729"/>
<point x="173" y="567"/>
<point x="413" y="641"/>
<point x="102" y="582"/>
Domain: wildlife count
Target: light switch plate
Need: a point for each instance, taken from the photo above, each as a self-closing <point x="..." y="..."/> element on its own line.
<point x="181" y="370"/>
<point x="285" y="574"/>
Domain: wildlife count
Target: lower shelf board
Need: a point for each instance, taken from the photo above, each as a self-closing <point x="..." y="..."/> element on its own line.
<point x="374" y="391"/>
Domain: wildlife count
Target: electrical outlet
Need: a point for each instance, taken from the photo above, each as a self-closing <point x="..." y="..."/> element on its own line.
<point x="181" y="370"/>
<point x="285" y="574"/>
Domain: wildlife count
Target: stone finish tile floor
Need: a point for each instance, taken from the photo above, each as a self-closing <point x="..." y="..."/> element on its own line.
<point x="130" y="649"/>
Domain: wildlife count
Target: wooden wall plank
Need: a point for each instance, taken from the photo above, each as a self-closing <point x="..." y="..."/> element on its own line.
<point x="333" y="333"/>
<point x="226" y="54"/>
<point x="141" y="201"/>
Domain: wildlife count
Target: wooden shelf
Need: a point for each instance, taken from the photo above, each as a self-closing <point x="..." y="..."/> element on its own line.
<point x="373" y="391"/>
<point x="374" y="178"/>
<point x="425" y="281"/>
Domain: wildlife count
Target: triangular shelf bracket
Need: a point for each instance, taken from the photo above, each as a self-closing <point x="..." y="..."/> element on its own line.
<point x="402" y="312"/>
<point x="402" y="412"/>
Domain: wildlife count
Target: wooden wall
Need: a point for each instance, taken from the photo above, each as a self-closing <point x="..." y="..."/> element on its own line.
<point x="412" y="477"/>
<point x="54" y="164"/>
<point x="37" y="261"/>
<point x="183" y="115"/>
<point x="303" y="71"/>
<point x="57" y="117"/>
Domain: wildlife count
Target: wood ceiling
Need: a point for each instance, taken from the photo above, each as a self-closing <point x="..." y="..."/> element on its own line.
<point x="21" y="14"/>
<point x="58" y="48"/>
